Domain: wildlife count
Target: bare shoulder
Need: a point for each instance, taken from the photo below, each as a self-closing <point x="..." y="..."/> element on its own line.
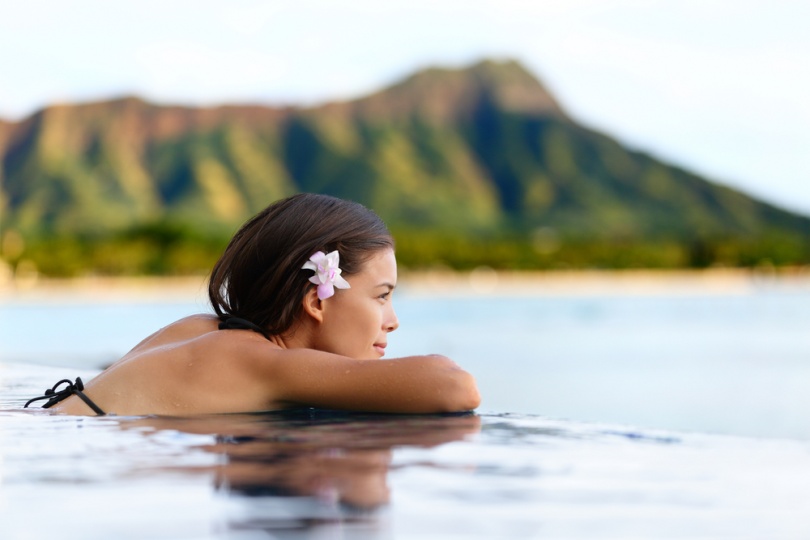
<point x="185" y="329"/>
<point x="204" y="322"/>
<point x="183" y="369"/>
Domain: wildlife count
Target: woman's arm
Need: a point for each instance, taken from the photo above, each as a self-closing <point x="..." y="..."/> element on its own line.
<point x="416" y="384"/>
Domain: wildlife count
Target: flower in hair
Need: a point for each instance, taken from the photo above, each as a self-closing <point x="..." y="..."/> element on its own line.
<point x="327" y="273"/>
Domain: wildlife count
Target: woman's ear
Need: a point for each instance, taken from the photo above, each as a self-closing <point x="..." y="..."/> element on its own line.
<point x="313" y="305"/>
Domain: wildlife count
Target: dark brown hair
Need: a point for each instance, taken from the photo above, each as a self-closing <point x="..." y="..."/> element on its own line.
<point x="259" y="276"/>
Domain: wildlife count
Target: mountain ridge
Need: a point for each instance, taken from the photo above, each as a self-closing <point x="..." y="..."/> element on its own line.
<point x="479" y="152"/>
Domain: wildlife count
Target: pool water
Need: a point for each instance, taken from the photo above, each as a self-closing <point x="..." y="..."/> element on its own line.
<point x="322" y="474"/>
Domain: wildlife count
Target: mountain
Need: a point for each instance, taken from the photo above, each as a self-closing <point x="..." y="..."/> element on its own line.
<point x="469" y="166"/>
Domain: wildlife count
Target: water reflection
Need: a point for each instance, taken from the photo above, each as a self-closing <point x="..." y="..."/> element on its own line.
<point x="301" y="470"/>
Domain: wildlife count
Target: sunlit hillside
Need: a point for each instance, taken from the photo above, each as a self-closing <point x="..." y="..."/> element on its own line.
<point x="476" y="166"/>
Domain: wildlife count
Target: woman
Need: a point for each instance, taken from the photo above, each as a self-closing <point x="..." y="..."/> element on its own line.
<point x="303" y="303"/>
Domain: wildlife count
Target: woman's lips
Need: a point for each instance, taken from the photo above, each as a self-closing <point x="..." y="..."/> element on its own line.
<point x="380" y="348"/>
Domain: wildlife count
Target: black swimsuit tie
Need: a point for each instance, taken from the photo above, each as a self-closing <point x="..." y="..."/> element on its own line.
<point x="54" y="396"/>
<point x="235" y="323"/>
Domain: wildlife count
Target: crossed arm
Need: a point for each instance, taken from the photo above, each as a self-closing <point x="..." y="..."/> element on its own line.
<point x="416" y="384"/>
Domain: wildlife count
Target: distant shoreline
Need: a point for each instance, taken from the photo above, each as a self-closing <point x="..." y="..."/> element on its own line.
<point x="604" y="282"/>
<point x="479" y="282"/>
<point x="106" y="289"/>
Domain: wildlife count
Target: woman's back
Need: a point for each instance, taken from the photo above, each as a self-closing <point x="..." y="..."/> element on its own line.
<point x="188" y="367"/>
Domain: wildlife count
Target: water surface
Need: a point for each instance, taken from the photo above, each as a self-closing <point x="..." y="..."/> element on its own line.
<point x="604" y="416"/>
<point x="322" y="474"/>
<point x="732" y="363"/>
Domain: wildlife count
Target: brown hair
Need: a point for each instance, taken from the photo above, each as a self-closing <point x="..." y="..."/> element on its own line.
<point x="259" y="276"/>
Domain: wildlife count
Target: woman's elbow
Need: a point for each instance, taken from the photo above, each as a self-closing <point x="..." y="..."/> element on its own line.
<point x="470" y="396"/>
<point x="462" y="395"/>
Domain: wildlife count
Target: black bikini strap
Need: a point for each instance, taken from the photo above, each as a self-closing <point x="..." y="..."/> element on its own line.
<point x="54" y="396"/>
<point x="235" y="323"/>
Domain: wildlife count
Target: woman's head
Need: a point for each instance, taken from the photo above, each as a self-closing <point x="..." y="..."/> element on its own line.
<point x="259" y="276"/>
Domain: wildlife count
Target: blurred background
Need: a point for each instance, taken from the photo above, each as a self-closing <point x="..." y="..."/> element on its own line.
<point x="562" y="137"/>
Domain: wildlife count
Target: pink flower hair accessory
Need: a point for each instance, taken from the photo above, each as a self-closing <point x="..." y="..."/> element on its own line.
<point x="327" y="273"/>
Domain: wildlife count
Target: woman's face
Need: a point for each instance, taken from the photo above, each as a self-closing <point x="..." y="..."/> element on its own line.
<point x="356" y="321"/>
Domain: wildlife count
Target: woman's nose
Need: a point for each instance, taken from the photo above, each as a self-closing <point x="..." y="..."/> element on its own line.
<point x="392" y="323"/>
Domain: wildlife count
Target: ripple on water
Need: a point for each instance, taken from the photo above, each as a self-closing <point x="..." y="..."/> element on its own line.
<point x="318" y="473"/>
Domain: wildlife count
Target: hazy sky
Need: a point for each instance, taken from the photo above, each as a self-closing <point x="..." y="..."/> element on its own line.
<point x="721" y="87"/>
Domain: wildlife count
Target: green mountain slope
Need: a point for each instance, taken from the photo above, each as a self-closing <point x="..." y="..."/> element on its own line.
<point x="468" y="166"/>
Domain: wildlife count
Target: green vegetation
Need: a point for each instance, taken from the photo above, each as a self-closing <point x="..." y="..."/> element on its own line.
<point x="469" y="167"/>
<point x="179" y="251"/>
<point x="520" y="253"/>
<point x="156" y="248"/>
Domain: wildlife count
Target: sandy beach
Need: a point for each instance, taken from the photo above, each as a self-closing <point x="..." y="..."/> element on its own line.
<point x="481" y="281"/>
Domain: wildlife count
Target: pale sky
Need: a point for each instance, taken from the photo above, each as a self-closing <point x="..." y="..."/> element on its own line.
<point x="720" y="87"/>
